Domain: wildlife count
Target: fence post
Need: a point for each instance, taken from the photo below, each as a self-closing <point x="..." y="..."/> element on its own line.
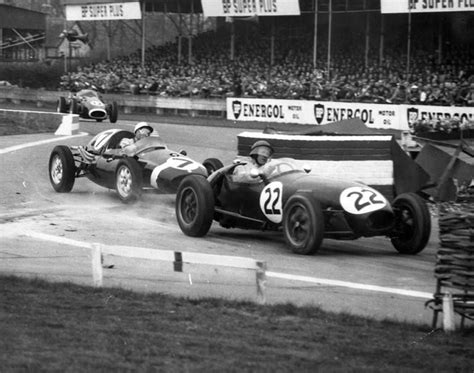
<point x="97" y="275"/>
<point x="261" y="280"/>
<point x="448" y="313"/>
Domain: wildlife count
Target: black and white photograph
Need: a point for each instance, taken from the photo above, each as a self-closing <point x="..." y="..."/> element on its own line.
<point x="237" y="185"/>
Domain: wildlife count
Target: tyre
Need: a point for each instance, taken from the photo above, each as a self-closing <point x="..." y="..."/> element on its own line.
<point x="62" y="169"/>
<point x="412" y="224"/>
<point x="194" y="206"/>
<point x="128" y="180"/>
<point x="73" y="107"/>
<point x="61" y="106"/>
<point x="212" y="164"/>
<point x="113" y="115"/>
<point x="303" y="224"/>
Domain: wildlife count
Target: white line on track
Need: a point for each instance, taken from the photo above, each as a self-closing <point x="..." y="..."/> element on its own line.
<point x="41" y="142"/>
<point x="269" y="274"/>
<point x="352" y="285"/>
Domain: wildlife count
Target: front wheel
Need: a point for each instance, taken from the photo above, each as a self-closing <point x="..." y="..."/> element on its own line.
<point x="62" y="169"/>
<point x="212" y="164"/>
<point x="62" y="105"/>
<point x="128" y="180"/>
<point x="412" y="224"/>
<point x="194" y="206"/>
<point x="113" y="115"/>
<point x="303" y="224"/>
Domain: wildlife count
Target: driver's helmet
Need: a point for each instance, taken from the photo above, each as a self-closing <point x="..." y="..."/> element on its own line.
<point x="141" y="125"/>
<point x="261" y="147"/>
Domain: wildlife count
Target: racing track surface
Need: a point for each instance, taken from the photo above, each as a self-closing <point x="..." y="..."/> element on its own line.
<point x="372" y="274"/>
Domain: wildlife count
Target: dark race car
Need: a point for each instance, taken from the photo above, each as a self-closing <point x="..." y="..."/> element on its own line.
<point x="146" y="164"/>
<point x="88" y="104"/>
<point x="305" y="207"/>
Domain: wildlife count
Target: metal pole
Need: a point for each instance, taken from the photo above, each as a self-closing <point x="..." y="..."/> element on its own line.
<point x="367" y="38"/>
<point x="109" y="35"/>
<point x="232" y="40"/>
<point x="382" y="37"/>
<point x="190" y="35"/>
<point x="70" y="56"/>
<point x="315" y="37"/>
<point x="440" y="39"/>
<point x="179" y="32"/>
<point x="409" y="40"/>
<point x="272" y="43"/>
<point x="143" y="34"/>
<point x="329" y="38"/>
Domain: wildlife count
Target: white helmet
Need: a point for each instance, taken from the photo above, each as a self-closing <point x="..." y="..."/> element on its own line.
<point x="140" y="125"/>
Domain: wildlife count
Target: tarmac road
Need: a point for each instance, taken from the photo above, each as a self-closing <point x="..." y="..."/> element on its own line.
<point x="364" y="277"/>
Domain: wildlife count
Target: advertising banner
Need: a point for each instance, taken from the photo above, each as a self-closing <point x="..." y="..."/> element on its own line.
<point x="412" y="113"/>
<point x="384" y="116"/>
<point x="426" y="6"/>
<point x="103" y="11"/>
<point x="311" y="112"/>
<point x="249" y="8"/>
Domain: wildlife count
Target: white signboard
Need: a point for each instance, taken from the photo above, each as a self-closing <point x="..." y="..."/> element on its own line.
<point x="310" y="112"/>
<point x="426" y="6"/>
<point x="398" y="117"/>
<point x="101" y="12"/>
<point x="248" y="8"/>
<point x="411" y="113"/>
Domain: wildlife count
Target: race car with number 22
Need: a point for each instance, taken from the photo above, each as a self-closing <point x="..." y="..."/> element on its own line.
<point x="306" y="208"/>
<point x="146" y="164"/>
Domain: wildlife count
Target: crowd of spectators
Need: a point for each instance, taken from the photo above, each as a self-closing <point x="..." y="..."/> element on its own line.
<point x="212" y="74"/>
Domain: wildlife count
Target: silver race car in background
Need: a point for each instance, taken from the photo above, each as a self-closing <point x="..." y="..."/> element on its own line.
<point x="88" y="104"/>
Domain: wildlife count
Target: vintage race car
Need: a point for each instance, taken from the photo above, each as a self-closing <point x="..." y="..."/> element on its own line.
<point x="145" y="164"/>
<point x="304" y="206"/>
<point x="88" y="104"/>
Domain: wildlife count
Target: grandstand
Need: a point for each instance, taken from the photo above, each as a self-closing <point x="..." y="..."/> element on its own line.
<point x="345" y="51"/>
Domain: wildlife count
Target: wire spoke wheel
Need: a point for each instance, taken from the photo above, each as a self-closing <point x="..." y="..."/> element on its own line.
<point x="128" y="180"/>
<point x="62" y="169"/>
<point x="124" y="181"/>
<point x="57" y="171"/>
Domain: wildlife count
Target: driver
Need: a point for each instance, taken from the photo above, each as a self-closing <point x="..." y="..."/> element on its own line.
<point x="260" y="157"/>
<point x="141" y="130"/>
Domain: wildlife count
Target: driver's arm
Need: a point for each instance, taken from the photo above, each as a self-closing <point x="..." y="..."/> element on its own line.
<point x="268" y="168"/>
<point x="126" y="142"/>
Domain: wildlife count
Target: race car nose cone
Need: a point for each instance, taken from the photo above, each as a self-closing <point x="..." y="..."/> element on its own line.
<point x="97" y="114"/>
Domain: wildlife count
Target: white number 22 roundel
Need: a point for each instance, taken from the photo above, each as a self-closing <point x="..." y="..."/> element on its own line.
<point x="271" y="201"/>
<point x="360" y="200"/>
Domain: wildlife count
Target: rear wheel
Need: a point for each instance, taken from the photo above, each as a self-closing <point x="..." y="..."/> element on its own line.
<point x="62" y="169"/>
<point x="73" y="107"/>
<point x="61" y="106"/>
<point x="303" y="224"/>
<point x="128" y="180"/>
<point x="412" y="224"/>
<point x="212" y="164"/>
<point x="113" y="115"/>
<point x="194" y="206"/>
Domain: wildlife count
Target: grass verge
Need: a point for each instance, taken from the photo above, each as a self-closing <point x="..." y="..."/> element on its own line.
<point x="65" y="327"/>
